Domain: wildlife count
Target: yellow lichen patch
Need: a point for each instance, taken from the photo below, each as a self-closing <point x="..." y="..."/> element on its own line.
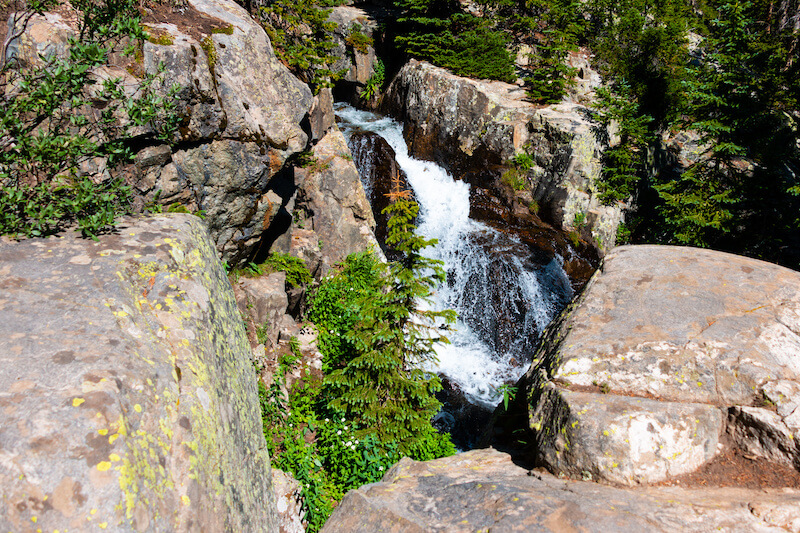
<point x="76" y="402"/>
<point x="102" y="466"/>
<point x="137" y="408"/>
<point x="185" y="499"/>
<point x="103" y="431"/>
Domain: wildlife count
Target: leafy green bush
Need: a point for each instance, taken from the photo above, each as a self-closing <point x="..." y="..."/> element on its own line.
<point x="358" y="39"/>
<point x="319" y="449"/>
<point x="334" y="306"/>
<point x="516" y="177"/>
<point x="297" y="273"/>
<point x="374" y="83"/>
<point x="301" y="34"/>
<point x="57" y="117"/>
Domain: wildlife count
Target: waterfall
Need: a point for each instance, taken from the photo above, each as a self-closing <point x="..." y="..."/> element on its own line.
<point x="504" y="294"/>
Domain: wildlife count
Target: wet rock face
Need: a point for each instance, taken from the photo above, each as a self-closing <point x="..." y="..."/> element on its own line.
<point x="482" y="490"/>
<point x="128" y="400"/>
<point x="375" y="161"/>
<point x="668" y="349"/>
<point x="240" y="111"/>
<point x="476" y="127"/>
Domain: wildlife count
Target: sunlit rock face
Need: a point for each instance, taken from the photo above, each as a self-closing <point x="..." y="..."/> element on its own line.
<point x="239" y="111"/>
<point x="128" y="400"/>
<point x="668" y="350"/>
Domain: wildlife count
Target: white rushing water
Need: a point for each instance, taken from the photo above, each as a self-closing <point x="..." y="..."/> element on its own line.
<point x="486" y="271"/>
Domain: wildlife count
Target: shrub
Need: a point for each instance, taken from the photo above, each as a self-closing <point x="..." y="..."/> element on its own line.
<point x="374" y="83"/>
<point x="358" y="39"/>
<point x="59" y="116"/>
<point x="301" y="34"/>
<point x="297" y="273"/>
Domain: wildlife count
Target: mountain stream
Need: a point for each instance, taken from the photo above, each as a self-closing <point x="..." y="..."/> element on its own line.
<point x="505" y="294"/>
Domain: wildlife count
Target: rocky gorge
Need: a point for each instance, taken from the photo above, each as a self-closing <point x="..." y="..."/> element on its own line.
<point x="127" y="392"/>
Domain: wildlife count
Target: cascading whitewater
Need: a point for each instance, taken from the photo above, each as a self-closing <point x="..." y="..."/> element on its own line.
<point x="503" y="296"/>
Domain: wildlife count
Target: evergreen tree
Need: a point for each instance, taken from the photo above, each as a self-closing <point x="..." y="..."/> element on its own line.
<point x="437" y="31"/>
<point x="728" y="197"/>
<point x="382" y="387"/>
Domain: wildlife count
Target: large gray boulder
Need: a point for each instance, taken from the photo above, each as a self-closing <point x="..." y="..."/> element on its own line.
<point x="331" y="202"/>
<point x="240" y="109"/>
<point x="478" y="126"/>
<point x="128" y="400"/>
<point x="669" y="355"/>
<point x="483" y="490"/>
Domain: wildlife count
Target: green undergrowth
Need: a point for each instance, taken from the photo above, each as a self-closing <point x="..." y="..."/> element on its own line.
<point x="372" y="403"/>
<point x="59" y="119"/>
<point x="297" y="273"/>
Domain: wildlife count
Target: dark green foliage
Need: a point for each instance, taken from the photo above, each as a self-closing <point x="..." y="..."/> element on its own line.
<point x="624" y="162"/>
<point x="436" y="31"/>
<point x="297" y="273"/>
<point x="553" y="28"/>
<point x="738" y="196"/>
<point x="643" y="45"/>
<point x="516" y="177"/>
<point x="381" y="386"/>
<point x="301" y="34"/>
<point x="375" y="82"/>
<point x="335" y="305"/>
<point x="57" y="117"/>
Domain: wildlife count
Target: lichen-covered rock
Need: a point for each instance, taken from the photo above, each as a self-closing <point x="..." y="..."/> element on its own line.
<point x="233" y="78"/>
<point x="476" y="127"/>
<point x="128" y="400"/>
<point x="483" y="490"/>
<point x="668" y="349"/>
<point x="334" y="202"/>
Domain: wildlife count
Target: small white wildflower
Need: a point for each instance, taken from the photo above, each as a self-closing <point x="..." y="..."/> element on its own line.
<point x="347" y="443"/>
<point x="339" y="432"/>
<point x="326" y="420"/>
<point x="345" y="428"/>
<point x="343" y="420"/>
<point x="356" y="441"/>
<point x="380" y="468"/>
